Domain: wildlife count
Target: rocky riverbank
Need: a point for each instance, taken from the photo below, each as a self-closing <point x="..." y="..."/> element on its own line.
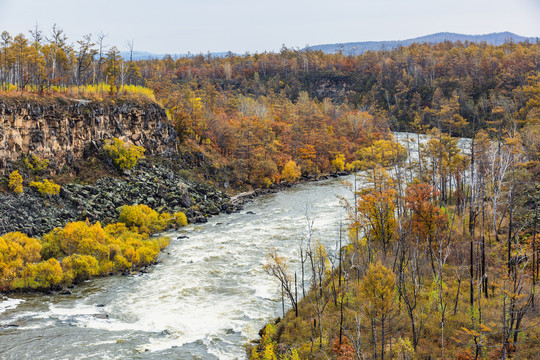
<point x="157" y="186"/>
<point x="243" y="198"/>
<point x="153" y="185"/>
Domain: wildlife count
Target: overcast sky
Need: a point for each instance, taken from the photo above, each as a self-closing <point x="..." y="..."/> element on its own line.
<point x="179" y="26"/>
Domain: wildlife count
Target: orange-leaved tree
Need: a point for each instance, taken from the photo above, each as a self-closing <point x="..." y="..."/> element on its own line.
<point x="427" y="219"/>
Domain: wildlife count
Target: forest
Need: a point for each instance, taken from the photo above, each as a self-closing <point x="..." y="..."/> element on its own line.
<point x="439" y="256"/>
<point x="254" y="113"/>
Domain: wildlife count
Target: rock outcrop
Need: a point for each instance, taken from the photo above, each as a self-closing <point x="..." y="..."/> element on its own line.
<point x="63" y="131"/>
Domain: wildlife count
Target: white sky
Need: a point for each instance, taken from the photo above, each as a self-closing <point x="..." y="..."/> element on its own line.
<point x="168" y="26"/>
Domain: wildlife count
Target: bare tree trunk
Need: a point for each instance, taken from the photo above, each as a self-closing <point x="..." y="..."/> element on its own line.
<point x="382" y="337"/>
<point x="510" y="224"/>
<point x="535" y="254"/>
<point x="471" y="271"/>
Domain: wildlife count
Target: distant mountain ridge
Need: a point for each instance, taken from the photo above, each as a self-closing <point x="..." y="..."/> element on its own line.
<point x="357" y="48"/>
<point x="145" y="55"/>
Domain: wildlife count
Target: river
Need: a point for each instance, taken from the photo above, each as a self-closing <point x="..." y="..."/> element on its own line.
<point x="205" y="299"/>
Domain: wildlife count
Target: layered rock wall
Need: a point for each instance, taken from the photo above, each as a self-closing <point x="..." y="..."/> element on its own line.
<point x="63" y="131"/>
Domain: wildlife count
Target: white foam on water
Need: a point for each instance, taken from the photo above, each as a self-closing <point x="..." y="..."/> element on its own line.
<point x="8" y="304"/>
<point x="39" y="325"/>
<point x="65" y="313"/>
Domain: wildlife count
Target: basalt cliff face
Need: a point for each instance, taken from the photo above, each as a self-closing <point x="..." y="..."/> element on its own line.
<point x="63" y="131"/>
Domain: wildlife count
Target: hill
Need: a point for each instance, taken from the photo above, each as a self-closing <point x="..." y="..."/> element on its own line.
<point x="357" y="48"/>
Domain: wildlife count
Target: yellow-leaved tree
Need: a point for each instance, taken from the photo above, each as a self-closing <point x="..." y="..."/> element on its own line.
<point x="125" y="156"/>
<point x="143" y="218"/>
<point x="46" y="187"/>
<point x="382" y="152"/>
<point x="291" y="172"/>
<point x="378" y="291"/>
<point x="339" y="162"/>
<point x="16" y="182"/>
<point x="17" y="251"/>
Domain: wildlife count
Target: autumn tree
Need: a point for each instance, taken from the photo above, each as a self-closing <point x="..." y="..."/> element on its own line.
<point x="16" y="182"/>
<point x="428" y="220"/>
<point x="112" y="70"/>
<point x="291" y="172"/>
<point x="276" y="266"/>
<point x="378" y="291"/>
<point x="125" y="156"/>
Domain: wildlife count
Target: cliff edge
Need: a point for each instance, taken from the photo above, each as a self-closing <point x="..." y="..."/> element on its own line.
<point x="64" y="130"/>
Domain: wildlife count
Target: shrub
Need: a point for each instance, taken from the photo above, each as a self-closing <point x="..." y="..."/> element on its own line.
<point x="180" y="219"/>
<point x="35" y="164"/>
<point x="339" y="162"/>
<point x="42" y="275"/>
<point x="16" y="182"/>
<point x="143" y="218"/>
<point x="17" y="251"/>
<point x="125" y="156"/>
<point x="78" y="268"/>
<point x="81" y="250"/>
<point x="46" y="187"/>
<point x="291" y="172"/>
<point x="75" y="238"/>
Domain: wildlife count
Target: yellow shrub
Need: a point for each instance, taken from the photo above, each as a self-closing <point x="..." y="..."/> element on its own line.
<point x="291" y="172"/>
<point x="47" y="274"/>
<point x="143" y="217"/>
<point x="121" y="262"/>
<point x="46" y="187"/>
<point x="180" y="219"/>
<point x="94" y="92"/>
<point x="125" y="156"/>
<point x="106" y="266"/>
<point x="16" y="182"/>
<point x="35" y="164"/>
<point x="162" y="242"/>
<point x="83" y="249"/>
<point x="76" y="238"/>
<point x="78" y="268"/>
<point x="21" y="247"/>
<point x="131" y="255"/>
<point x="17" y="250"/>
<point x="147" y="254"/>
<point x="116" y="230"/>
<point x="339" y="162"/>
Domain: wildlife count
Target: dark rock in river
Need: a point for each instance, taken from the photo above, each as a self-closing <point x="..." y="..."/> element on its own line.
<point x="101" y="316"/>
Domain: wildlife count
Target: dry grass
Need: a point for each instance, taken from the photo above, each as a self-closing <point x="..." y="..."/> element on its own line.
<point x="99" y="92"/>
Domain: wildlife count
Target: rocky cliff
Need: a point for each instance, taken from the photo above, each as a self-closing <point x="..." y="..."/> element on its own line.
<point x="63" y="131"/>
